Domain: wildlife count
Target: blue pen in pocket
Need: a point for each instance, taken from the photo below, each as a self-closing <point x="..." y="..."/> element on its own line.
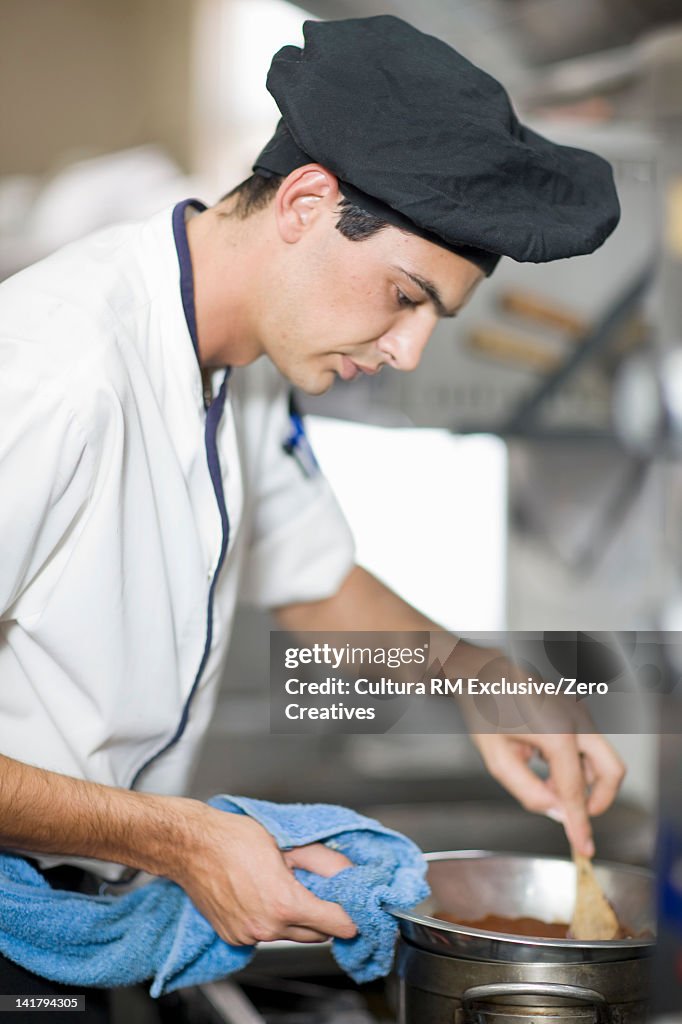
<point x="297" y="444"/>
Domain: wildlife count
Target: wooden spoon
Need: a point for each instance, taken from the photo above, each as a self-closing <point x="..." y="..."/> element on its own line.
<point x="593" y="917"/>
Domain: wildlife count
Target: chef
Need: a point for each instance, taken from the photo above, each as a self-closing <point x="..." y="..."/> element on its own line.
<point x="154" y="473"/>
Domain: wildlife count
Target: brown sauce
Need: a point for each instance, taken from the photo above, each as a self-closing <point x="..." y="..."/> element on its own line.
<point x="529" y="926"/>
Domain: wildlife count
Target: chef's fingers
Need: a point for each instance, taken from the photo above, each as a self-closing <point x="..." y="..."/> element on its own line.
<point x="605" y="771"/>
<point x="588" y="770"/>
<point x="506" y="758"/>
<point x="566" y="771"/>
<point x="318" y="858"/>
<point x="563" y="796"/>
<point x="321" y="915"/>
<point x="304" y="935"/>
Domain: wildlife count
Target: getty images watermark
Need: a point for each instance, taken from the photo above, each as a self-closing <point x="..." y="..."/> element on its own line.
<point x="421" y="682"/>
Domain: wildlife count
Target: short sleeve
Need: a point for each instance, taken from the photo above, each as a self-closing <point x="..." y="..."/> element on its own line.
<point x="301" y="545"/>
<point x="44" y="483"/>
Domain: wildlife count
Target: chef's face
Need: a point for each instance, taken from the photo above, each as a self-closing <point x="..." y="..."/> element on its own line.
<point x="338" y="307"/>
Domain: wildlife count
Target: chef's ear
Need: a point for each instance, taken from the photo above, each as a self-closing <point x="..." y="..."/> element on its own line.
<point x="302" y="197"/>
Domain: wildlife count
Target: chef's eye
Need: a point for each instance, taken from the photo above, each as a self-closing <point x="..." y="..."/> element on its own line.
<point x="404" y="301"/>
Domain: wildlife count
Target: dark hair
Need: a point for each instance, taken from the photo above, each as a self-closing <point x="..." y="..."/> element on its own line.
<point x="256" y="192"/>
<point x="252" y="195"/>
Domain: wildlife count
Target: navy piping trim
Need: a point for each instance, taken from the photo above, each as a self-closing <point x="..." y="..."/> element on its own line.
<point x="213" y="418"/>
<point x="185" y="261"/>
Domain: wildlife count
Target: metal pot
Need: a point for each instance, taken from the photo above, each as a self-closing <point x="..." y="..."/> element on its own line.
<point x="450" y="973"/>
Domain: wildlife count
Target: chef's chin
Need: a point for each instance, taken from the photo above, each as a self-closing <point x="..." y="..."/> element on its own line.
<point x="317" y="384"/>
<point x="310" y="380"/>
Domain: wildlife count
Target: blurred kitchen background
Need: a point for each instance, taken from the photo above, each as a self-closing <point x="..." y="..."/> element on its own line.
<point x="526" y="476"/>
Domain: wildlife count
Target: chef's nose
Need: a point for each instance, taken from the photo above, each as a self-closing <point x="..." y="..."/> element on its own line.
<point x="404" y="344"/>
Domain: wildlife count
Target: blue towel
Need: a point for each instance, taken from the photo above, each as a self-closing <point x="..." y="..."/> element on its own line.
<point x="155" y="932"/>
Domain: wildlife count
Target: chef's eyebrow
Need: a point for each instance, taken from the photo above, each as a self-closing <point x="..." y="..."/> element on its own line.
<point x="432" y="293"/>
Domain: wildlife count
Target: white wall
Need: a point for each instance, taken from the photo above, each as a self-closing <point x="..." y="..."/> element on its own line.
<point x="429" y="514"/>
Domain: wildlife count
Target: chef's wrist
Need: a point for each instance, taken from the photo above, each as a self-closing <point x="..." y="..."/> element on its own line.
<point x="182" y="837"/>
<point x="156" y="834"/>
<point x="144" y="831"/>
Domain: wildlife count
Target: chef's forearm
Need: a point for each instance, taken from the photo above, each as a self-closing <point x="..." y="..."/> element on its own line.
<point x="228" y="864"/>
<point x="363" y="602"/>
<point x="44" y="812"/>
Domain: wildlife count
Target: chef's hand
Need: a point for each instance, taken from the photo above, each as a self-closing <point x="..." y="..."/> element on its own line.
<point x="245" y="887"/>
<point x="585" y="773"/>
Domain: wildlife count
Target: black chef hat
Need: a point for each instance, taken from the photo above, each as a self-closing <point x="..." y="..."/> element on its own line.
<point x="420" y="136"/>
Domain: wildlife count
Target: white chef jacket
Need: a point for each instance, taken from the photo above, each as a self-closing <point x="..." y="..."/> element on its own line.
<point x="132" y="520"/>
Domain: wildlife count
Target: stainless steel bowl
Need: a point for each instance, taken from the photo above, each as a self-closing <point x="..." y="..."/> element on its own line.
<point x="473" y="883"/>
